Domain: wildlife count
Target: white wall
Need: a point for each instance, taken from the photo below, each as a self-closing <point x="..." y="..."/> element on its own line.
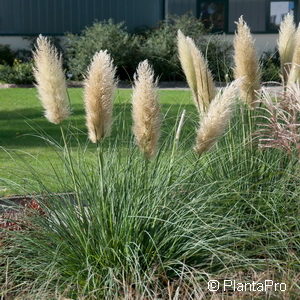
<point x="15" y="42"/>
<point x="264" y="42"/>
<point x="18" y="42"/>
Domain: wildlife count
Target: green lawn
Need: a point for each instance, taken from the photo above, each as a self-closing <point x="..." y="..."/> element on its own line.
<point x="21" y="120"/>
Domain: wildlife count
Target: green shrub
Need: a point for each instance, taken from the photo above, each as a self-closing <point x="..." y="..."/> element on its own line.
<point x="18" y="73"/>
<point x="23" y="55"/>
<point x="6" y="55"/>
<point x="219" y="54"/>
<point x="159" y="45"/>
<point x="55" y="41"/>
<point x="270" y="63"/>
<point x="161" y="49"/>
<point x="101" y="36"/>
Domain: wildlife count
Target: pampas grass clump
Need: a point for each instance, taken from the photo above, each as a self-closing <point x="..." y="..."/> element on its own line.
<point x="197" y="73"/>
<point x="246" y="63"/>
<point x="286" y="44"/>
<point x="50" y="81"/>
<point x="146" y="110"/>
<point x="214" y="122"/>
<point x="99" y="87"/>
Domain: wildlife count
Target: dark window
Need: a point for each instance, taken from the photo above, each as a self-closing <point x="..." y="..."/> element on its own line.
<point x="213" y="14"/>
<point x="278" y="9"/>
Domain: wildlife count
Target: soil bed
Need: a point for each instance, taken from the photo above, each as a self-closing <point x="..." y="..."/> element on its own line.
<point x="14" y="209"/>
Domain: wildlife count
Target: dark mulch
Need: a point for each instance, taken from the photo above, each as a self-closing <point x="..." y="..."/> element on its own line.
<point x="13" y="211"/>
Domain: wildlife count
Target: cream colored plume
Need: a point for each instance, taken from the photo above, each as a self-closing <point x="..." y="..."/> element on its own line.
<point x="215" y="120"/>
<point x="146" y="110"/>
<point x="286" y="44"/>
<point x="186" y="61"/>
<point x="196" y="71"/>
<point x="99" y="87"/>
<point x="246" y="63"/>
<point x="294" y="75"/>
<point x="50" y="81"/>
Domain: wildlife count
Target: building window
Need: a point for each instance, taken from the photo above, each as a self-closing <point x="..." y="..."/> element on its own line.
<point x="213" y="14"/>
<point x="278" y="9"/>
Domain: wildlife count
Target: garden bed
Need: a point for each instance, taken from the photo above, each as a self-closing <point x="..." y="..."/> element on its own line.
<point x="14" y="209"/>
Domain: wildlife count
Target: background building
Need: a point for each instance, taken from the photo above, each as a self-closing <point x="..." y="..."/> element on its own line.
<point x="19" y="18"/>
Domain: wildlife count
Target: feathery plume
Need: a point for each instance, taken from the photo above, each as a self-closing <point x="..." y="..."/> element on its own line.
<point x="294" y="75"/>
<point x="145" y="109"/>
<point x="215" y="120"/>
<point x="196" y="71"/>
<point x="246" y="63"/>
<point x="99" y="87"/>
<point x="291" y="101"/>
<point x="186" y="61"/>
<point x="205" y="84"/>
<point x="286" y="44"/>
<point x="280" y="127"/>
<point x="50" y="81"/>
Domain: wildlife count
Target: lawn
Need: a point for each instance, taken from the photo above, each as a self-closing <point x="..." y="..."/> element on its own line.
<point x="22" y="125"/>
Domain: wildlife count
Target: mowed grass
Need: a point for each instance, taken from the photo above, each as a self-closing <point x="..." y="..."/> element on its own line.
<point x="22" y="124"/>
